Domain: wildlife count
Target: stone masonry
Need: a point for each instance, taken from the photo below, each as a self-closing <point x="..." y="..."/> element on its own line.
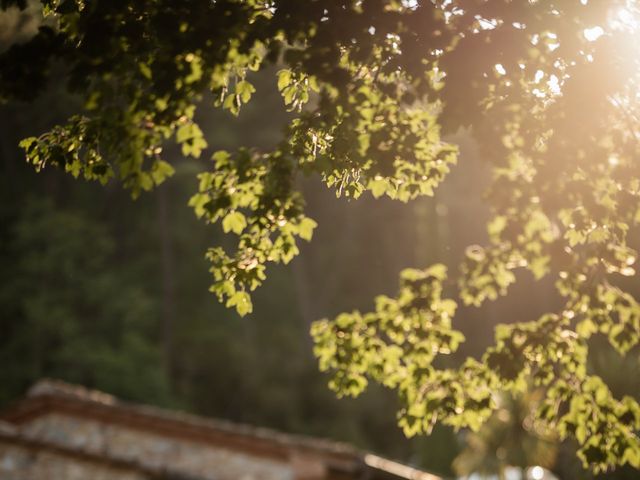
<point x="62" y="431"/>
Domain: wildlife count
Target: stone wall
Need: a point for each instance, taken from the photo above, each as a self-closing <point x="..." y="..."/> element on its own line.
<point x="21" y="462"/>
<point x="154" y="451"/>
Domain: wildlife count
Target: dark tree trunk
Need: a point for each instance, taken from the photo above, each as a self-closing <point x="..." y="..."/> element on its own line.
<point x="168" y="272"/>
<point x="304" y="296"/>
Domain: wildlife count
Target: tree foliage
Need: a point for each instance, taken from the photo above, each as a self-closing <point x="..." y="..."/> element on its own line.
<point x="67" y="315"/>
<point x="549" y="89"/>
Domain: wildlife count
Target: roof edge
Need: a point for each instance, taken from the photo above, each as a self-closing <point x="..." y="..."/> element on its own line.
<point x="50" y="395"/>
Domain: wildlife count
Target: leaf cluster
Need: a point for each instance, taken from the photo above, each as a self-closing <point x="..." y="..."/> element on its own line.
<point x="371" y="83"/>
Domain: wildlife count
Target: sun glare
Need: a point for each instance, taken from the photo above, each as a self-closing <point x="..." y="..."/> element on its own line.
<point x="625" y="18"/>
<point x="594" y="33"/>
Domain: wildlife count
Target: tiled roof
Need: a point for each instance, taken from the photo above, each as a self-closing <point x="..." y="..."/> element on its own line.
<point x="56" y="396"/>
<point x="12" y="435"/>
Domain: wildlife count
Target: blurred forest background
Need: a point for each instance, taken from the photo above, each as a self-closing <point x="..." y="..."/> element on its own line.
<point x="112" y="293"/>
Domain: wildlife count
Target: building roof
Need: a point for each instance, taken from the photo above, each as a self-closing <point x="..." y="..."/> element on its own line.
<point x="54" y="396"/>
<point x="13" y="436"/>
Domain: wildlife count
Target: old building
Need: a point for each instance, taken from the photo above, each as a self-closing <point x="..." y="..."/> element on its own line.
<point x="62" y="431"/>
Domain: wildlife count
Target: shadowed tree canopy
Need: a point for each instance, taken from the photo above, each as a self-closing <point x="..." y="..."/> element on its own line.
<point x="549" y="89"/>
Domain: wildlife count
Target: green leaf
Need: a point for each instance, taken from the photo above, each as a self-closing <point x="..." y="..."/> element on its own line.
<point x="242" y="302"/>
<point x="145" y="70"/>
<point x="198" y="202"/>
<point x="284" y="79"/>
<point x="306" y="227"/>
<point x="632" y="456"/>
<point x="234" y="222"/>
<point x="378" y="187"/>
<point x="161" y="170"/>
<point x="244" y="89"/>
<point x="184" y="133"/>
<point x="231" y="103"/>
<point x="197" y="145"/>
<point x="27" y="143"/>
<point x="289" y="94"/>
<point x="221" y="158"/>
<point x="496" y="226"/>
